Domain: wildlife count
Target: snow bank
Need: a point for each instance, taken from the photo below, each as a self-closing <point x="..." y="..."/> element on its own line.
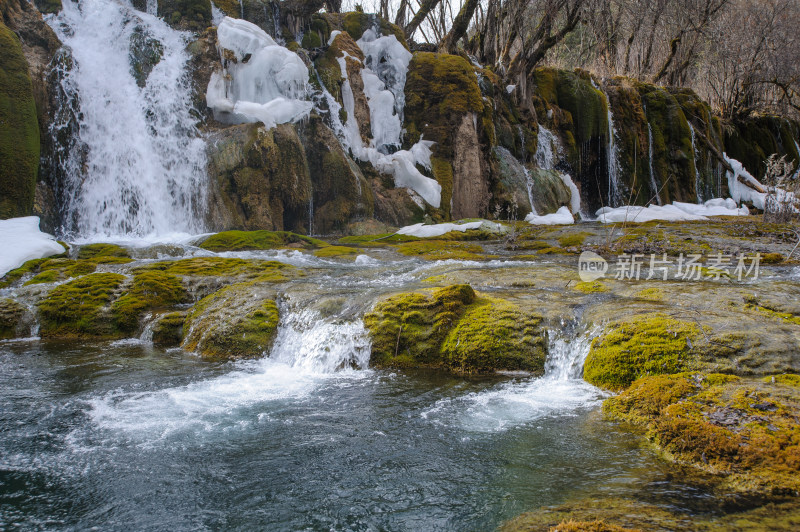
<point x="21" y="240"/>
<point x="738" y="190"/>
<point x="266" y="83"/>
<point x="676" y="212"/>
<point x="428" y="231"/>
<point x="561" y="217"/>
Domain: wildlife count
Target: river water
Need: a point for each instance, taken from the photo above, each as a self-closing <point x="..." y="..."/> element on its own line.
<point x="123" y="435"/>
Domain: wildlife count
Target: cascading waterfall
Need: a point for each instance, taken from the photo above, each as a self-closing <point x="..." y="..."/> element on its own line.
<point x="612" y="155"/>
<point x="143" y="171"/>
<point x="546" y="149"/>
<point x="560" y="390"/>
<point x="698" y="185"/>
<point x="653" y="184"/>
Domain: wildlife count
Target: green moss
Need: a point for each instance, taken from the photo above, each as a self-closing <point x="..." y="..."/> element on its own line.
<point x="186" y="14"/>
<point x="48" y="6"/>
<point x="17" y="273"/>
<point x="233" y="323"/>
<point x="356" y="23"/>
<point x="442" y="250"/>
<point x="573" y="240"/>
<point x="649" y="344"/>
<point x="787" y="379"/>
<point x="440" y="89"/>
<point x="224" y="267"/>
<point x="168" y="330"/>
<point x="574" y="94"/>
<point x="495" y="335"/>
<point x="19" y="130"/>
<point x="76" y="308"/>
<point x="49" y="276"/>
<point x="593" y="287"/>
<point x="336" y="251"/>
<point x="149" y="290"/>
<point x="442" y="172"/>
<point x="771" y="258"/>
<point x="11" y="314"/>
<point x="408" y="329"/>
<point x="311" y="40"/>
<point x="651" y="294"/>
<point x="252" y="240"/>
<point x="92" y="251"/>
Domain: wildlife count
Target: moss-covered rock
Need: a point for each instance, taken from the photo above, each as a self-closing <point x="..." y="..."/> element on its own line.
<point x="144" y="54"/>
<point x="649" y="344"/>
<point x="443" y="250"/>
<point x="80" y="308"/>
<point x="451" y="328"/>
<point x="168" y="330"/>
<point x="19" y="130"/>
<point x="11" y="314"/>
<point x="260" y="179"/>
<point x="252" y="240"/>
<point x="743" y="429"/>
<point x="230" y="269"/>
<point x="239" y="321"/>
<point x="48" y="6"/>
<point x="150" y="290"/>
<point x="91" y="251"/>
<point x="492" y="335"/>
<point x="192" y="15"/>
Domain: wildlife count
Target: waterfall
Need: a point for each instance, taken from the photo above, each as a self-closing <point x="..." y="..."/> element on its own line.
<point x="612" y="156"/>
<point x="529" y="183"/>
<point x="142" y="167"/>
<point x="653" y="183"/>
<point x="546" y="149"/>
<point x="697" y="180"/>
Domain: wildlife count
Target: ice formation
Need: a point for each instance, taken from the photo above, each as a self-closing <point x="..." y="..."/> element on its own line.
<point x="384" y="89"/>
<point x="740" y="191"/>
<point x="266" y="82"/>
<point x="574" y="193"/>
<point x="21" y="241"/>
<point x="561" y="217"/>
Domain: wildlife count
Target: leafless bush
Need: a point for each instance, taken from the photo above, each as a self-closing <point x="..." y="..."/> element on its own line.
<point x="782" y="203"/>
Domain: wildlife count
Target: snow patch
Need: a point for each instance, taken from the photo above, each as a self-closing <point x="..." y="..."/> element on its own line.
<point x="738" y="190"/>
<point x="428" y="231"/>
<point x="675" y="212"/>
<point x="561" y="217"/>
<point x="21" y="241"/>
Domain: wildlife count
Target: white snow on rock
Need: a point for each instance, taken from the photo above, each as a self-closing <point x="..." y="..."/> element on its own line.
<point x="575" y="195"/>
<point x="21" y="241"/>
<point x="384" y="89"/>
<point x="428" y="231"/>
<point x="738" y="190"/>
<point x="562" y="216"/>
<point x="676" y="212"/>
<point x="266" y="83"/>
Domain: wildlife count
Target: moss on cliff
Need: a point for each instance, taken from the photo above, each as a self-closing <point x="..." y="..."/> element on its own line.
<point x="79" y="308"/>
<point x="19" y="130"/>
<point x="168" y="330"/>
<point x="192" y="15"/>
<point x="649" y="344"/>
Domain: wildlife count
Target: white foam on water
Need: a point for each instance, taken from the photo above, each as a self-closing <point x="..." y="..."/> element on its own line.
<point x="561" y="392"/>
<point x="309" y="351"/>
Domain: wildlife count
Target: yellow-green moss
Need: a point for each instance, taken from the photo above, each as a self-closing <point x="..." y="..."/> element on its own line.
<point x="168" y="330"/>
<point x="11" y="313"/>
<point x="495" y="335"/>
<point x="442" y="250"/>
<point x="224" y="267"/>
<point x="573" y="240"/>
<point x="149" y="290"/>
<point x="651" y="294"/>
<point x="76" y="308"/>
<point x="336" y="251"/>
<point x="91" y="251"/>
<point x="597" y="525"/>
<point x="788" y="379"/>
<point x="592" y="287"/>
<point x="649" y="344"/>
<point x="253" y="240"/>
<point x="233" y="323"/>
<point x="31" y="266"/>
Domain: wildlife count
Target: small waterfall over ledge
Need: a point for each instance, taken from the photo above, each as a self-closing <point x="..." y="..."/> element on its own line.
<point x="140" y="169"/>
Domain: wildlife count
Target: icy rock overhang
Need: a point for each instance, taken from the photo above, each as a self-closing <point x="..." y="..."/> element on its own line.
<point x="259" y="81"/>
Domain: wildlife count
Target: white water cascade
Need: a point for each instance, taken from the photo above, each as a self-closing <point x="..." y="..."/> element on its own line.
<point x="141" y="171"/>
<point x="546" y="149"/>
<point x="612" y="155"/>
<point x="653" y="183"/>
<point x="561" y="391"/>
